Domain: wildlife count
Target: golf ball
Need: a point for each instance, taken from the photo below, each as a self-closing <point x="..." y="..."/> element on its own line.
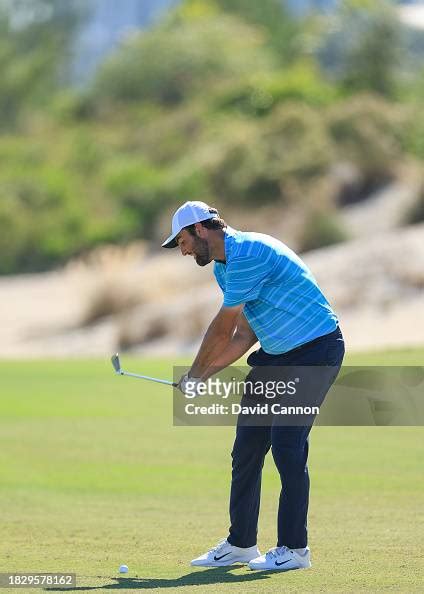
<point x="123" y="569"/>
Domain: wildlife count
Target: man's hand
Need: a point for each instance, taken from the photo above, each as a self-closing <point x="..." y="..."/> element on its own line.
<point x="189" y="385"/>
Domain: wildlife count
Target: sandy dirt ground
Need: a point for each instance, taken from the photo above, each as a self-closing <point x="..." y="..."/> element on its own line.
<point x="375" y="284"/>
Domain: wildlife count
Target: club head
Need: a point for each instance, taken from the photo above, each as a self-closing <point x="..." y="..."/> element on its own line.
<point x="116" y="364"/>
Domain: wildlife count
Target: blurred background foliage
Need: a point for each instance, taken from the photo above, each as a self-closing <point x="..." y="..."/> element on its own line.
<point x="236" y="102"/>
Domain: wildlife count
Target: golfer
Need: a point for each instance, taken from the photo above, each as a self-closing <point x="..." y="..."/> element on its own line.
<point x="270" y="296"/>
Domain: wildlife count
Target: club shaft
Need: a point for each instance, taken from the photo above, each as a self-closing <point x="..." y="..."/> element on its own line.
<point x="146" y="377"/>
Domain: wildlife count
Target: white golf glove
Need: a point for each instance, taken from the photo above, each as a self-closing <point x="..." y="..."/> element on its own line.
<point x="189" y="385"/>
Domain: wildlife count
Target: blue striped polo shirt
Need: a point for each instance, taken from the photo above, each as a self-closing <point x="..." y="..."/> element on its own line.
<point x="283" y="303"/>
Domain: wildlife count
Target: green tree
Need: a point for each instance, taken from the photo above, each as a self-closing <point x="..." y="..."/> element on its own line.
<point x="283" y="31"/>
<point x="363" y="46"/>
<point x="35" y="41"/>
<point x="190" y="54"/>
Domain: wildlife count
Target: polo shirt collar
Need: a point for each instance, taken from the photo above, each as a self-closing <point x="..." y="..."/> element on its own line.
<point x="229" y="240"/>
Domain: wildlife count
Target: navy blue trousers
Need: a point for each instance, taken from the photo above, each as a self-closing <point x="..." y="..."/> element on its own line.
<point x="289" y="446"/>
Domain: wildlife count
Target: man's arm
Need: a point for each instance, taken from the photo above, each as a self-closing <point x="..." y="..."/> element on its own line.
<point x="244" y="338"/>
<point x="216" y="339"/>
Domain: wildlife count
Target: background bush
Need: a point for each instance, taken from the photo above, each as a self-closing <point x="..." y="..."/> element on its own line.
<point x="229" y="101"/>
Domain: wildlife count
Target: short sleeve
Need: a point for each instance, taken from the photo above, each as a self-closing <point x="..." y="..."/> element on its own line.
<point x="245" y="277"/>
<point x="219" y="276"/>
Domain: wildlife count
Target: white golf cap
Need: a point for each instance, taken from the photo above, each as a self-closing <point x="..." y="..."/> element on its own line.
<point x="188" y="214"/>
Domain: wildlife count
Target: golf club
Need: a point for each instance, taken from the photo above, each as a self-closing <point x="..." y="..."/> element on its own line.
<point x="117" y="367"/>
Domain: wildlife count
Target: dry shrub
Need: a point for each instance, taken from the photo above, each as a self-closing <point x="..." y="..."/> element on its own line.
<point x="118" y="280"/>
<point x="108" y="280"/>
<point x="368" y="133"/>
<point x="415" y="213"/>
<point x="184" y="319"/>
<point x="321" y="228"/>
<point x="136" y="329"/>
<point x="107" y="299"/>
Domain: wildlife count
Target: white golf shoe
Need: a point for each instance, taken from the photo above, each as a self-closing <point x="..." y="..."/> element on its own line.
<point x="282" y="559"/>
<point x="226" y="554"/>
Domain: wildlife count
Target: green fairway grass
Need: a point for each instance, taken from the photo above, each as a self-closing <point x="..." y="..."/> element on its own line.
<point x="412" y="356"/>
<point x="93" y="474"/>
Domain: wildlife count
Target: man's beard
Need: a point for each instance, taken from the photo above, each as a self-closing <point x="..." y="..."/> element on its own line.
<point x="201" y="251"/>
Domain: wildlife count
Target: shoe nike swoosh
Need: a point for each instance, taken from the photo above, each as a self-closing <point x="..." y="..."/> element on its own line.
<point x="221" y="557"/>
<point x="282" y="562"/>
